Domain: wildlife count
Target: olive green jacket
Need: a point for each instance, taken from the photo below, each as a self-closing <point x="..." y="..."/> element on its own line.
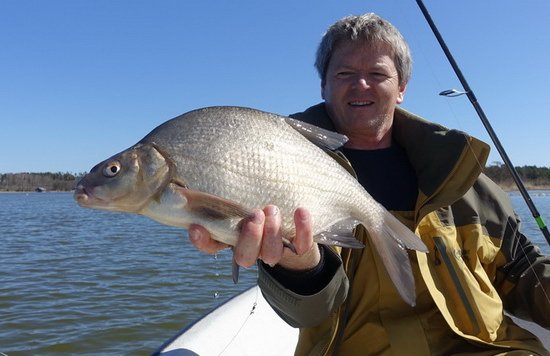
<point x="478" y="264"/>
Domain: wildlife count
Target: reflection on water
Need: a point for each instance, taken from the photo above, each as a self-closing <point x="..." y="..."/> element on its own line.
<point x="541" y="199"/>
<point x="89" y="282"/>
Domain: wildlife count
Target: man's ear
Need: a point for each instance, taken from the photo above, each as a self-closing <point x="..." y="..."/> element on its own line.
<point x="401" y="96"/>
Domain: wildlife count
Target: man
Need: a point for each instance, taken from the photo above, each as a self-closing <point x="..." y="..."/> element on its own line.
<point x="430" y="177"/>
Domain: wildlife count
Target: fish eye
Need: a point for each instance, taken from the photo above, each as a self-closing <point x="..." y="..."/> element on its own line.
<point x="111" y="169"/>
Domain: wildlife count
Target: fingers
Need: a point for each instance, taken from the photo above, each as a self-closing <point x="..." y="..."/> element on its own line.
<point x="307" y="253"/>
<point x="247" y="250"/>
<point x="272" y="244"/>
<point x="200" y="238"/>
<point x="303" y="241"/>
<point x="260" y="238"/>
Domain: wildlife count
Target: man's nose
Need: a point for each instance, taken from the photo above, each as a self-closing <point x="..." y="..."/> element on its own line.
<point x="361" y="83"/>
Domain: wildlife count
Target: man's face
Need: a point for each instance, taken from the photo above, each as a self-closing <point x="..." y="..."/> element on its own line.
<point x="361" y="89"/>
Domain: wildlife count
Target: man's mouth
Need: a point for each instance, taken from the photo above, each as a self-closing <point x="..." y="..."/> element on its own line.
<point x="360" y="103"/>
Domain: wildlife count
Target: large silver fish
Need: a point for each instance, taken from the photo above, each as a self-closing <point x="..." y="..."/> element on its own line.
<point x="213" y="166"/>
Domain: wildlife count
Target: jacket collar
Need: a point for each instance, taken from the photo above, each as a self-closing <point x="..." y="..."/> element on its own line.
<point x="447" y="162"/>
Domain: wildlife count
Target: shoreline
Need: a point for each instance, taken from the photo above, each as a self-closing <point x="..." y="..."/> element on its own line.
<point x="506" y="188"/>
<point x="32" y="191"/>
<point x="513" y="188"/>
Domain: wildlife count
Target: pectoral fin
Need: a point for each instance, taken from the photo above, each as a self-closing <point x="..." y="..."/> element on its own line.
<point x="213" y="207"/>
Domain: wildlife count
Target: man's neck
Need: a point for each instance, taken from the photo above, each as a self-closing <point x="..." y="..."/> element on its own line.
<point x="360" y="141"/>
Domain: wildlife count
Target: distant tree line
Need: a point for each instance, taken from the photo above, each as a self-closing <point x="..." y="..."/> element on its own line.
<point x="25" y="182"/>
<point x="533" y="177"/>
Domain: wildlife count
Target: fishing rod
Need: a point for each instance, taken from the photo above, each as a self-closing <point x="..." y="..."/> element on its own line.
<point x="471" y="96"/>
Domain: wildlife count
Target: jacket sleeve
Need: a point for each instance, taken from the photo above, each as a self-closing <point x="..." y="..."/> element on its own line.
<point x="523" y="272"/>
<point x="298" y="307"/>
<point x="525" y="278"/>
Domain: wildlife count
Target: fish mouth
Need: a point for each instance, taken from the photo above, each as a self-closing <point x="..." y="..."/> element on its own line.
<point x="85" y="198"/>
<point x="81" y="195"/>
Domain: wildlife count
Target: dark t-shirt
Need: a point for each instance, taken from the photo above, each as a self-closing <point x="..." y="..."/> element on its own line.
<point x="387" y="175"/>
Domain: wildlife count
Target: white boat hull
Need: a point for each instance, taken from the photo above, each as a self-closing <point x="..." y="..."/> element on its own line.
<point x="244" y="325"/>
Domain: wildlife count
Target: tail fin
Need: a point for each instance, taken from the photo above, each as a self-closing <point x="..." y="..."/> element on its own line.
<point x="391" y="242"/>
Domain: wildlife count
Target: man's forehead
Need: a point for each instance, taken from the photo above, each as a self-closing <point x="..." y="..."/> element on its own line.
<point x="352" y="51"/>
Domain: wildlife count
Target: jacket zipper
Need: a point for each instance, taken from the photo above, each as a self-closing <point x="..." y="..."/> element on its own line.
<point x="441" y="250"/>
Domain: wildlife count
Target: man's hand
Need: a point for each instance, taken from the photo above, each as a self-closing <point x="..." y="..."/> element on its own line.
<point x="260" y="238"/>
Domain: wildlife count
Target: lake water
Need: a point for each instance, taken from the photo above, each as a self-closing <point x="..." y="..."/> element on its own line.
<point x="82" y="281"/>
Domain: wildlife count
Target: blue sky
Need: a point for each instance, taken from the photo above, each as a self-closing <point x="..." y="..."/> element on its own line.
<point x="83" y="80"/>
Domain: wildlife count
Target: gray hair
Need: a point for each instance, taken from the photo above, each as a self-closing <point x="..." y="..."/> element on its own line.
<point x="372" y="29"/>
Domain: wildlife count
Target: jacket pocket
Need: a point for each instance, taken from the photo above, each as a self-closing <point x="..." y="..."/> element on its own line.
<point x="475" y="311"/>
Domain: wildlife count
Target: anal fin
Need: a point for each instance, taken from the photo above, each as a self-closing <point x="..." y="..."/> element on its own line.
<point x="340" y="234"/>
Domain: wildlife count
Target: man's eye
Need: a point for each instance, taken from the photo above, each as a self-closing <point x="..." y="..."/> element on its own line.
<point x="344" y="74"/>
<point x="379" y="75"/>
